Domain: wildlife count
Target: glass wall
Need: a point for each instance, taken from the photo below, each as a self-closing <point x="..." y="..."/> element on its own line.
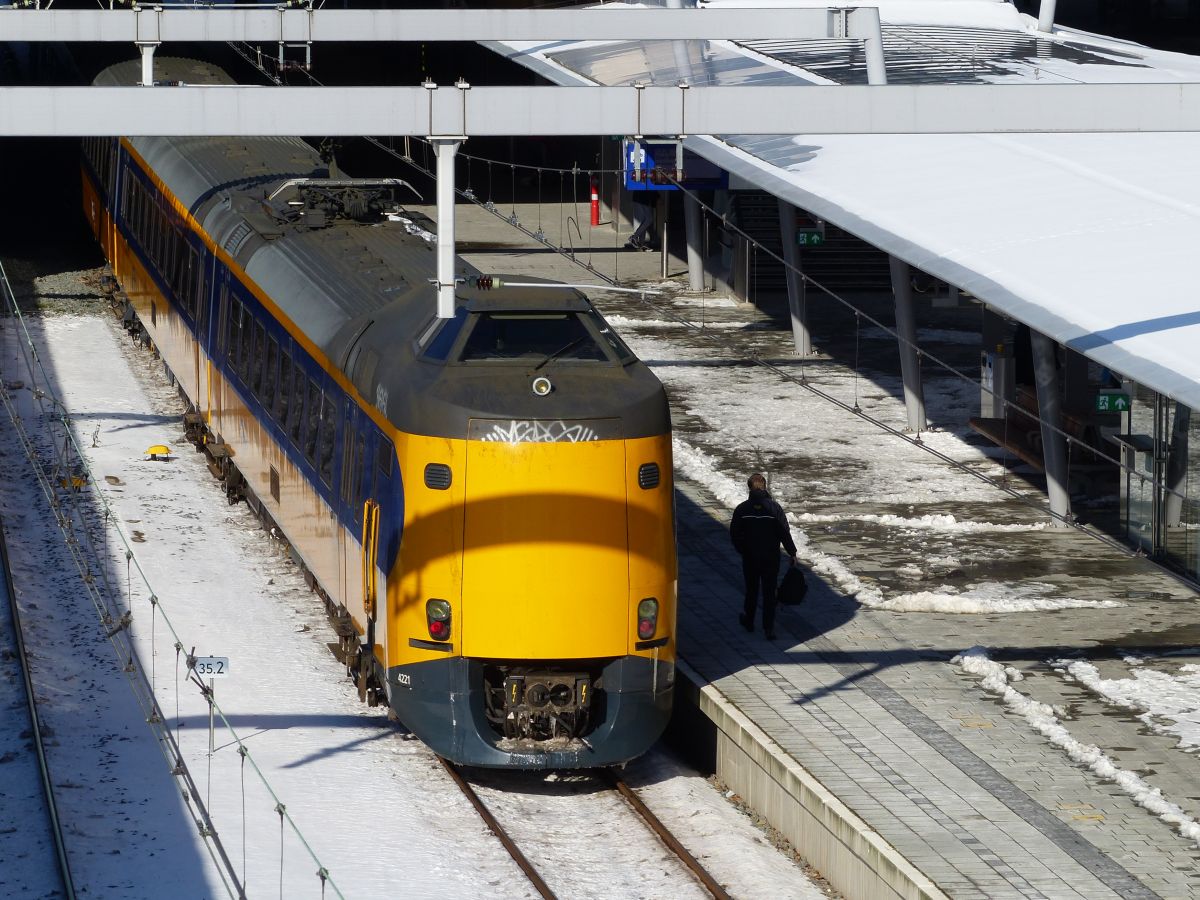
<point x="1160" y="487"/>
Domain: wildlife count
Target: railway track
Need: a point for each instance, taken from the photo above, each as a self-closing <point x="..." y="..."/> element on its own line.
<point x="611" y="782"/>
<point x="10" y="620"/>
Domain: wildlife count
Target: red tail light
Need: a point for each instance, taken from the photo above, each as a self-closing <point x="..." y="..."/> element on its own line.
<point x="437" y="617"/>
<point x="647" y="612"/>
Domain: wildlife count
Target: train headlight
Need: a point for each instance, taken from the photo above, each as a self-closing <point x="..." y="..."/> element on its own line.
<point x="542" y="386"/>
<point x="647" y="613"/>
<point x="437" y="617"/>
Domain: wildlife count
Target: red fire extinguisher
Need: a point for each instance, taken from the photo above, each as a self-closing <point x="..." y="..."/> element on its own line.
<point x="595" y="203"/>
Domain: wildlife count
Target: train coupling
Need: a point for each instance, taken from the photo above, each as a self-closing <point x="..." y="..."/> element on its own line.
<point x="542" y="706"/>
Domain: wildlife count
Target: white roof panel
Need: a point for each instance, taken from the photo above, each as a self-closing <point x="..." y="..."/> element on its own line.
<point x="1088" y="238"/>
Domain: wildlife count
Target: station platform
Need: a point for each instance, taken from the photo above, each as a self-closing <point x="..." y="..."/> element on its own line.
<point x="1004" y="772"/>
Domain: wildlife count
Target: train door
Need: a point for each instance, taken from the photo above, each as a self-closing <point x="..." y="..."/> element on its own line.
<point x="368" y="501"/>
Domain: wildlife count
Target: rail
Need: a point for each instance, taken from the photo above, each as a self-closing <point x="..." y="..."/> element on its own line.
<point x="632" y="800"/>
<point x="39" y="749"/>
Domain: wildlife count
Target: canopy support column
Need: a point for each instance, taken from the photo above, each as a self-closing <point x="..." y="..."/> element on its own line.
<point x="796" y="288"/>
<point x="695" y="240"/>
<point x="1177" y="465"/>
<point x="147" y="48"/>
<point x="446" y="148"/>
<point x="906" y="334"/>
<point x="1054" y="443"/>
<point x="1046" y="16"/>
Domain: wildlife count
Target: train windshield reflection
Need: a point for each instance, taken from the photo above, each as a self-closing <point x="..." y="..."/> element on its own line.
<point x="525" y="335"/>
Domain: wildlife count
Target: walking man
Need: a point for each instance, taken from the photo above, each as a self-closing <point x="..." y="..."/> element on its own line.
<point x="758" y="528"/>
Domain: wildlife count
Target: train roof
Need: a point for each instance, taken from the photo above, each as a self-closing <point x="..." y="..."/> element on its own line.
<point x="353" y="270"/>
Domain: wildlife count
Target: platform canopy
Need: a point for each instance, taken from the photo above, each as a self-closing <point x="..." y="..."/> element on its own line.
<point x="1092" y="239"/>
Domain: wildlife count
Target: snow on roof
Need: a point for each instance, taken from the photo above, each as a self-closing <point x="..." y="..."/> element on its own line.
<point x="1088" y="238"/>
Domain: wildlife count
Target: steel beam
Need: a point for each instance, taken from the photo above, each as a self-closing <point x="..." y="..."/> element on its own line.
<point x="489" y="111"/>
<point x="195" y="24"/>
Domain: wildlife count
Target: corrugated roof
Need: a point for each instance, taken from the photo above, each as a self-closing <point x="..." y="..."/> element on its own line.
<point x="1088" y="238"/>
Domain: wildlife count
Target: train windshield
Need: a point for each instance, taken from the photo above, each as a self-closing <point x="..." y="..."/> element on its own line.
<point x="531" y="336"/>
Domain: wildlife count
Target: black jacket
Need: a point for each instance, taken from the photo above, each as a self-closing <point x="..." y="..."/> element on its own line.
<point x="759" y="527"/>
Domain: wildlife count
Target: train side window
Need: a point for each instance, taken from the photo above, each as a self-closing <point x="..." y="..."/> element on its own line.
<point x="312" y="427"/>
<point x="244" y="349"/>
<point x="257" y="354"/>
<point x="356" y="472"/>
<point x="155" y="234"/>
<point x="198" y="285"/>
<point x="282" y="404"/>
<point x="229" y="320"/>
<point x="135" y="200"/>
<point x="125" y="205"/>
<point x="110" y="165"/>
<point x="268" y="395"/>
<point x="347" y="450"/>
<point x="296" y="414"/>
<point x="328" y="436"/>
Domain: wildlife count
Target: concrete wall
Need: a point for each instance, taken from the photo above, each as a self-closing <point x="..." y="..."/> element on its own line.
<point x="845" y="849"/>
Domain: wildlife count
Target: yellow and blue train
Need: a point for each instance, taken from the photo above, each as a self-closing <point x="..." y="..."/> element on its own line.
<point x="485" y="501"/>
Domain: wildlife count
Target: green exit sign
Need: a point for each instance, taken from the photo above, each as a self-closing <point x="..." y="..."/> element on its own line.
<point x="810" y="237"/>
<point x="1112" y="401"/>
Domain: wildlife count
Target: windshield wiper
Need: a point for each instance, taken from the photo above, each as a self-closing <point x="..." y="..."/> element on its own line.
<point x="561" y="350"/>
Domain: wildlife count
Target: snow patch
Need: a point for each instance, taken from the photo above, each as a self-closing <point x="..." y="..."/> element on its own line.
<point x="1155" y="695"/>
<point x="997" y="679"/>
<point x="989" y="597"/>
<point x="935" y="522"/>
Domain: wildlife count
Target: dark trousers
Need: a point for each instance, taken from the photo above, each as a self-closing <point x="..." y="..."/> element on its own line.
<point x="764" y="574"/>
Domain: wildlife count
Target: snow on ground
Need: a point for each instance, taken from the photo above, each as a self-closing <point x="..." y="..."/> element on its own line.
<point x="373" y="804"/>
<point x="935" y="522"/>
<point x="123" y="820"/>
<point x="1046" y="720"/>
<point x="989" y="597"/>
<point x="1168" y="702"/>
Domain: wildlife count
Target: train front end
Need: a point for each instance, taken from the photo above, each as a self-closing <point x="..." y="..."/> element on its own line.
<point x="534" y="615"/>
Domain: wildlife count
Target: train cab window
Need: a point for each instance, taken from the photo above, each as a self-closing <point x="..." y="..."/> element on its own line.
<point x="610" y="337"/>
<point x="438" y="341"/>
<point x="328" y="434"/>
<point x="530" y="336"/>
